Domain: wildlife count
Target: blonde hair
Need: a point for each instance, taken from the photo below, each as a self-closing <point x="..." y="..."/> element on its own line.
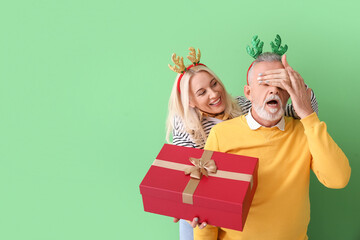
<point x="191" y="117"/>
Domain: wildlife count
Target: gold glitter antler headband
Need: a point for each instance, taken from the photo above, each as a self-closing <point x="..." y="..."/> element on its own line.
<point x="192" y="57"/>
<point x="179" y="66"/>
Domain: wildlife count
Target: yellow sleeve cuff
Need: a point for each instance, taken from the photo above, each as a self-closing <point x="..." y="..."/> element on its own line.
<point x="310" y="120"/>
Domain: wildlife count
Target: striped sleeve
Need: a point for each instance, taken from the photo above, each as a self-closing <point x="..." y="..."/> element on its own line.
<point x="244" y="104"/>
<point x="207" y="125"/>
<point x="180" y="136"/>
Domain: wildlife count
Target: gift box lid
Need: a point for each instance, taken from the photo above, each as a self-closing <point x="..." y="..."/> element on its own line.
<point x="212" y="192"/>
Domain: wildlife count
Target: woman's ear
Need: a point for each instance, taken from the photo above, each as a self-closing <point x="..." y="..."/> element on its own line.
<point x="247" y="91"/>
<point x="191" y="104"/>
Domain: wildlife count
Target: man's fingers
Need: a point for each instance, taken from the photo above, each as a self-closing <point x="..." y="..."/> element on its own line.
<point x="202" y="225"/>
<point x="176" y="220"/>
<point x="195" y="222"/>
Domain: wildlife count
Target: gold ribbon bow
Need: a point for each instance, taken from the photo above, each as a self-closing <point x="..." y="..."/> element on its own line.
<point x="202" y="166"/>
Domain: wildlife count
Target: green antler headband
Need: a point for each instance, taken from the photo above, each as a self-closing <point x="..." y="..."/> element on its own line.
<point x="257" y="48"/>
<point x="277" y="48"/>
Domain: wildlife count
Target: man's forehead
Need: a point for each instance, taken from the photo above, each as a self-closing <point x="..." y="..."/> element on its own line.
<point x="266" y="66"/>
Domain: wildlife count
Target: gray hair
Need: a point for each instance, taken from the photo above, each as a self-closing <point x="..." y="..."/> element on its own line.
<point x="264" y="57"/>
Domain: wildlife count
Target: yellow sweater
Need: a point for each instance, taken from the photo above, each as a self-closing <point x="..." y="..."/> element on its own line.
<point x="281" y="208"/>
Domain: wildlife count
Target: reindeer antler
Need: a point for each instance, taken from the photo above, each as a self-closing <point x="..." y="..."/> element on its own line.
<point x="192" y="57"/>
<point x="257" y="48"/>
<point x="277" y="48"/>
<point x="178" y="62"/>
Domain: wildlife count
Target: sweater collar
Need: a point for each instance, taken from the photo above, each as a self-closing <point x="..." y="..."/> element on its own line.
<point x="253" y="124"/>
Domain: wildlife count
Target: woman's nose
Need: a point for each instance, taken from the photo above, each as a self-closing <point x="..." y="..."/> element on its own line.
<point x="212" y="93"/>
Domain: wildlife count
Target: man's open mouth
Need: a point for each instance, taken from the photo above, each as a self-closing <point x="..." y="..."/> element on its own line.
<point x="272" y="103"/>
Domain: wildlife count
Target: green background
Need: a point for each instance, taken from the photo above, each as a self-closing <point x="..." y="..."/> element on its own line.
<point x="84" y="87"/>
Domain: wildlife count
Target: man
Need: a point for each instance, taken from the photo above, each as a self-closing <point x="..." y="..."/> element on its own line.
<point x="287" y="149"/>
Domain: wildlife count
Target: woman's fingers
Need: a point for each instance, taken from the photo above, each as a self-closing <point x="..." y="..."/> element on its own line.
<point x="294" y="81"/>
<point x="308" y="92"/>
<point x="284" y="61"/>
<point x="273" y="76"/>
<point x="278" y="74"/>
<point x="301" y="80"/>
<point x="273" y="82"/>
<point x="297" y="81"/>
<point x="287" y="85"/>
<point x="274" y="71"/>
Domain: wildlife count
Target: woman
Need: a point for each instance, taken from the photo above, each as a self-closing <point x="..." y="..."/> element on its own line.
<point x="198" y="101"/>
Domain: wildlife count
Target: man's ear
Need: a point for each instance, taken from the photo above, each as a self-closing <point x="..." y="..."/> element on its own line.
<point x="247" y="91"/>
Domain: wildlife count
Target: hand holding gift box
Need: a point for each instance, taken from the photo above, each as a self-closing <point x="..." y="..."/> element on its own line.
<point x="175" y="186"/>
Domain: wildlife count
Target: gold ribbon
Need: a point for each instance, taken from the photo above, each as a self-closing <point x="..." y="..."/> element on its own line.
<point x="203" y="166"/>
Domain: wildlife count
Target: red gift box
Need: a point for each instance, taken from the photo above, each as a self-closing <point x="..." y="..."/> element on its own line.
<point x="222" y="199"/>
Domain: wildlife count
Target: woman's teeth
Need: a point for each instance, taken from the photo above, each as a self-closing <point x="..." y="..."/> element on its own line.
<point x="216" y="102"/>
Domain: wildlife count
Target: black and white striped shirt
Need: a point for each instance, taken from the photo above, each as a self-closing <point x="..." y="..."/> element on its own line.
<point x="182" y="138"/>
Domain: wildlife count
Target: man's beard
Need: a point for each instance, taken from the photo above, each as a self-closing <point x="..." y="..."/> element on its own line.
<point x="262" y="113"/>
